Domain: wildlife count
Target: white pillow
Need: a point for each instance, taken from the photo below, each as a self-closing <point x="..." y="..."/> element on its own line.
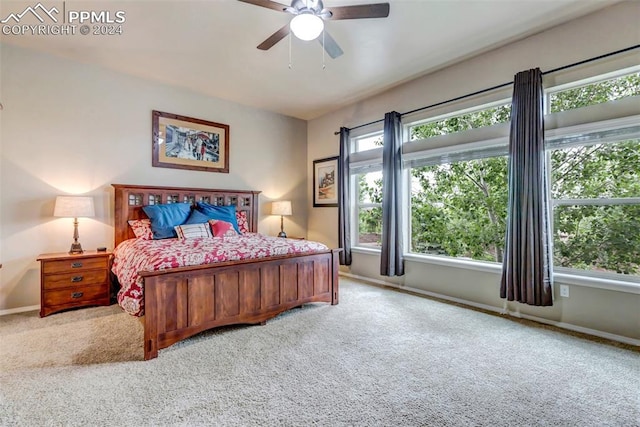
<point x="193" y="231"/>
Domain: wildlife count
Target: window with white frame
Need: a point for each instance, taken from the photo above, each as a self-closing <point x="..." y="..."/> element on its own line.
<point x="369" y="187"/>
<point x="458" y="197"/>
<point x="459" y="206"/>
<point x="595" y="192"/>
<point x="366" y="179"/>
<point x="578" y="95"/>
<point x="595" y="181"/>
<point x="366" y="142"/>
<point x="457" y="187"/>
<point x="474" y="118"/>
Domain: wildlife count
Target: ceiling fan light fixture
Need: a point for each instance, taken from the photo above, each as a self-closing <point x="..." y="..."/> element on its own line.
<point x="306" y="26"/>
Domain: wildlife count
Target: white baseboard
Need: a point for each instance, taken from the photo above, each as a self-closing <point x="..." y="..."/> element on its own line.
<point x="19" y="310"/>
<point x="563" y="325"/>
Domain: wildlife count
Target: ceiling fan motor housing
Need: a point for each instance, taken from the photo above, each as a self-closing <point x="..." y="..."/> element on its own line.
<point x="308" y="6"/>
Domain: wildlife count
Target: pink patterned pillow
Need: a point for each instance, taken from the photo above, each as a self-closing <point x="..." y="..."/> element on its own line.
<point x="222" y="228"/>
<point x="243" y="224"/>
<point x="141" y="228"/>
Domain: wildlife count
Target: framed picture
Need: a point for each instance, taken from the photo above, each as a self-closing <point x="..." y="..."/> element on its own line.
<point x="186" y="143"/>
<point x="325" y="182"/>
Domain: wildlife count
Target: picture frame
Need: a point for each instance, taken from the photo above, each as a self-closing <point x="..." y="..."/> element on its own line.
<point x="325" y="182"/>
<point x="182" y="142"/>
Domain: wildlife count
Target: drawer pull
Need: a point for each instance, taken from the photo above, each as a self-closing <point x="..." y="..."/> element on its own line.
<point x="76" y="265"/>
<point x="77" y="294"/>
<point x="76" y="279"/>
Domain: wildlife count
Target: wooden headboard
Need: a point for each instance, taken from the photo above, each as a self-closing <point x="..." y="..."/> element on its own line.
<point x="129" y="200"/>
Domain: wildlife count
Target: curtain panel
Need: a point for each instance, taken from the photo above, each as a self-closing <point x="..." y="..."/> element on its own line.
<point x="344" y="199"/>
<point x="527" y="265"/>
<point x="391" y="260"/>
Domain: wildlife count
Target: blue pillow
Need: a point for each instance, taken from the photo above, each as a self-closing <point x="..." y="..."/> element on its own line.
<point x="221" y="213"/>
<point x="165" y="217"/>
<point x="197" y="217"/>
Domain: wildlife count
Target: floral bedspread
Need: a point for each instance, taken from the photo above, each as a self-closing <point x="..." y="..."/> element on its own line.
<point x="134" y="255"/>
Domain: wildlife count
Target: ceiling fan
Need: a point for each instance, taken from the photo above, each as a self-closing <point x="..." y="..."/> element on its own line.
<point x="308" y="20"/>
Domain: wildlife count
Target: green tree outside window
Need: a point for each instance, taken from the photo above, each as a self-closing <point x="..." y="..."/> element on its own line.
<point x="459" y="209"/>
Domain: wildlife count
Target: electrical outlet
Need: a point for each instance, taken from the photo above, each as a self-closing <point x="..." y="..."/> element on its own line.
<point x="564" y="291"/>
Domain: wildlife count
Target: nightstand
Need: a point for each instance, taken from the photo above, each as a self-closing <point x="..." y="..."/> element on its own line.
<point x="70" y="281"/>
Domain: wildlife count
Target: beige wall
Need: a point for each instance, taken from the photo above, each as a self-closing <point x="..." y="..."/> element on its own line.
<point x="72" y="128"/>
<point x="611" y="29"/>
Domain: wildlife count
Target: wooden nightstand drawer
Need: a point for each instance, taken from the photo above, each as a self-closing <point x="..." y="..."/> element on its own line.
<point x="75" y="264"/>
<point x="78" y="278"/>
<point x="77" y="295"/>
<point x="73" y="281"/>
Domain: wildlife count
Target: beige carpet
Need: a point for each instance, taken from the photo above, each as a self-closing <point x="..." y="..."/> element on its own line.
<point x="381" y="357"/>
<point x="80" y="337"/>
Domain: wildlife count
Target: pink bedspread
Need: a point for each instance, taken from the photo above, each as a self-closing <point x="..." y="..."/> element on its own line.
<point x="134" y="255"/>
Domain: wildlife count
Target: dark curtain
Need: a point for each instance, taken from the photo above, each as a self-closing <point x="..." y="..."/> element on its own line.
<point x="391" y="262"/>
<point x="344" y="206"/>
<point x="526" y="269"/>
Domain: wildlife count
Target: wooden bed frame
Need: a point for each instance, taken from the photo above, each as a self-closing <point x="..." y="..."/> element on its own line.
<point x="181" y="302"/>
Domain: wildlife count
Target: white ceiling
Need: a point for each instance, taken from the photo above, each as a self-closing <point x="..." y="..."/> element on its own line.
<point x="210" y="46"/>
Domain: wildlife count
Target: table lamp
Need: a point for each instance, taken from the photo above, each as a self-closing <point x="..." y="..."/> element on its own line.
<point x="281" y="208"/>
<point x="74" y="207"/>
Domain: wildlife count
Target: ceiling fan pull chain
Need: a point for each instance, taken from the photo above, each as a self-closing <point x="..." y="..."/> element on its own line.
<point x="323" y="50"/>
<point x="290" y="37"/>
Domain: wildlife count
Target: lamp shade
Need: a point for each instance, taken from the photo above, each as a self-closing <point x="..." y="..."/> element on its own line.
<point x="306" y="26"/>
<point x="282" y="207"/>
<point x="74" y="206"/>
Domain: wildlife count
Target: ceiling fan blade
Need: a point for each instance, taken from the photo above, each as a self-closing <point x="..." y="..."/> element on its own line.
<point x="330" y="45"/>
<point x="274" y="38"/>
<point x="375" y="10"/>
<point x="267" y="3"/>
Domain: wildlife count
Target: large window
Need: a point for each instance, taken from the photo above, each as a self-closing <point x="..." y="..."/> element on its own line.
<point x="459" y="195"/>
<point x="369" y="187"/>
<point x="367" y="179"/>
<point x="595" y="184"/>
<point x="596" y="205"/>
<point x="457" y="189"/>
<point x="459" y="209"/>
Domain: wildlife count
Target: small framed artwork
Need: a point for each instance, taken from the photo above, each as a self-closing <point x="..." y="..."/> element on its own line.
<point x="186" y="143"/>
<point x="325" y="182"/>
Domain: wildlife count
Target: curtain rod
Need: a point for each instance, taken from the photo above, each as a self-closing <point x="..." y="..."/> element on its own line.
<point x="458" y="98"/>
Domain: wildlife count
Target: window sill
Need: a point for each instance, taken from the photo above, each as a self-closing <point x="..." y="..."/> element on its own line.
<point x="446" y="261"/>
<point x="493" y="267"/>
<point x="489" y="267"/>
<point x="365" y="250"/>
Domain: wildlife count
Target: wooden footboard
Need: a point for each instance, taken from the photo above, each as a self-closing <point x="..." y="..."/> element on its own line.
<point x="184" y="301"/>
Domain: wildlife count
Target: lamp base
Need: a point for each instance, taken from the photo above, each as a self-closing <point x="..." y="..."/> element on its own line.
<point x="76" y="248"/>
<point x="282" y="234"/>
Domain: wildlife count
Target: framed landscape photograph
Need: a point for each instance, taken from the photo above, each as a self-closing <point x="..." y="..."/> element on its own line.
<point x="325" y="182"/>
<point x="186" y="143"/>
